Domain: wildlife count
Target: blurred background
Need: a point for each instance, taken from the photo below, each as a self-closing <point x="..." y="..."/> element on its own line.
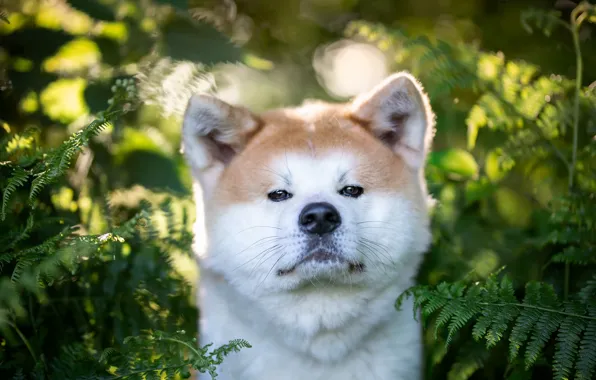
<point x="500" y="81"/>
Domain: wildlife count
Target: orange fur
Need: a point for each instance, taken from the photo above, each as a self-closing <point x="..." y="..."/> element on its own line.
<point x="328" y="127"/>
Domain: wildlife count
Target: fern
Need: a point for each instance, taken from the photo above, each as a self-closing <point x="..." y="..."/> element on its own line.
<point x="176" y="355"/>
<point x="19" y="178"/>
<point x="540" y="117"/>
<point x="58" y="162"/>
<point x="586" y="364"/>
<point x="55" y="164"/>
<point x="54" y="259"/>
<point x="530" y="323"/>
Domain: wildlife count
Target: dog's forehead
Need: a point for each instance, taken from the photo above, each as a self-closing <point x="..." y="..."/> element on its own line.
<point x="312" y="130"/>
<point x="316" y="143"/>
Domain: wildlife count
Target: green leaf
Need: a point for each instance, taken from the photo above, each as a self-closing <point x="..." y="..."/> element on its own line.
<point x="568" y="339"/>
<point x="525" y="321"/>
<point x="512" y="207"/>
<point x="497" y="165"/>
<point x="478" y="190"/>
<point x="457" y="163"/>
<point x="547" y="324"/>
<point x="17" y="179"/>
<point x="586" y="362"/>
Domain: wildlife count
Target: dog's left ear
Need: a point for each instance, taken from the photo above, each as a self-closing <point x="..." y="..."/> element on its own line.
<point x="398" y="112"/>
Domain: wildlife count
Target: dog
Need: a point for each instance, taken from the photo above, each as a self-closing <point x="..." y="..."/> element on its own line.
<point x="311" y="221"/>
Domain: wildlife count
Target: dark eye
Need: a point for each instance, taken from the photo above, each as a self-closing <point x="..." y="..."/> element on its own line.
<point x="352" y="191"/>
<point x="279" y="195"/>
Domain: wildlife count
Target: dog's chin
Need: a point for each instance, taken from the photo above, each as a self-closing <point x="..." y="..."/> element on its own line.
<point x="321" y="263"/>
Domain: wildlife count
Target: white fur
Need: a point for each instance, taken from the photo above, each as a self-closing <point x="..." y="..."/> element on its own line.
<point x="319" y="322"/>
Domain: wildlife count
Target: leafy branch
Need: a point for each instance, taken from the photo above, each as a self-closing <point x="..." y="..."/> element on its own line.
<point x="496" y="311"/>
<point x="516" y="103"/>
<point x="170" y="354"/>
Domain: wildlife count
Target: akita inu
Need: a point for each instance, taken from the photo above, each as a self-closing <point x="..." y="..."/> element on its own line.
<point x="311" y="221"/>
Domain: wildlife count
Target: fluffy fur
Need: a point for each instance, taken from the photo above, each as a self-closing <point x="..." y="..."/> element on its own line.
<point x="309" y="319"/>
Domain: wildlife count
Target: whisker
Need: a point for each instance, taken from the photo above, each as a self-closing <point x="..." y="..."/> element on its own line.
<point x="376" y="221"/>
<point x="273" y="238"/>
<point x="264" y="256"/>
<point x="270" y="270"/>
<point x="372" y="244"/>
<point x="250" y="228"/>
<point x="375" y="263"/>
<point x="214" y="246"/>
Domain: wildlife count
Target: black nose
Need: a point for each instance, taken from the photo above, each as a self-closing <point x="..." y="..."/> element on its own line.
<point x="319" y="218"/>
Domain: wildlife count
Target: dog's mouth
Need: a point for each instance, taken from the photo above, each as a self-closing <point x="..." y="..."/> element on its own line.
<point x="324" y="257"/>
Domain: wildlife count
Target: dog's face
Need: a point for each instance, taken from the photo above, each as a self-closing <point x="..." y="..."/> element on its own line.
<point x="330" y="192"/>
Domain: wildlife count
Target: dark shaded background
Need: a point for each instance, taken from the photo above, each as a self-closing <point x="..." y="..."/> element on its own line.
<point x="59" y="60"/>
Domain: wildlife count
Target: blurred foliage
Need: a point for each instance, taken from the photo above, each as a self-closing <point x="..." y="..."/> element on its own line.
<point x="95" y="247"/>
<point x="97" y="278"/>
<point x="530" y="212"/>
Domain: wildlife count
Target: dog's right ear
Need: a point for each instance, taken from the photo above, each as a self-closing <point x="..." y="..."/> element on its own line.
<point x="213" y="132"/>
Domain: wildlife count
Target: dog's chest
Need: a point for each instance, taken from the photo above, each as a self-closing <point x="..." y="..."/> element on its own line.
<point x="387" y="355"/>
<point x="297" y="347"/>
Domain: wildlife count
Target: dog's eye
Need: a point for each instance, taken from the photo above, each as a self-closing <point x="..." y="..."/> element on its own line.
<point x="279" y="195"/>
<point x="352" y="191"/>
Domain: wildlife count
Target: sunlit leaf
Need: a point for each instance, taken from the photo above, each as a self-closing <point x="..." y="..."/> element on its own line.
<point x="63" y="100"/>
<point x="456" y="162"/>
<point x="513" y="207"/>
<point x="73" y="56"/>
<point x="477" y="190"/>
<point x="497" y="165"/>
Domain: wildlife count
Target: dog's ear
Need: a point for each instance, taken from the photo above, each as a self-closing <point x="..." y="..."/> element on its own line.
<point x="398" y="112"/>
<point x="213" y="132"/>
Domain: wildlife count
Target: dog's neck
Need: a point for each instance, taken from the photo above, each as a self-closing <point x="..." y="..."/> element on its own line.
<point x="310" y="320"/>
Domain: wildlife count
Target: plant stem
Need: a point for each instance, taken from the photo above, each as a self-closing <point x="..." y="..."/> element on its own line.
<point x="576" y="22"/>
<point x="527" y="306"/>
<point x="566" y="284"/>
<point x="194" y="350"/>
<point x="147" y="371"/>
<point x="539" y="308"/>
<point x="24" y="339"/>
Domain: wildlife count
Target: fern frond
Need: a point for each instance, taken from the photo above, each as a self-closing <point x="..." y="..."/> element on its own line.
<point x="494" y="308"/>
<point x="57" y="162"/>
<point x="463" y="313"/>
<point x="586" y="363"/>
<point x="588" y="293"/>
<point x="469" y="360"/>
<point x="526" y="320"/>
<point x="547" y="324"/>
<point x="576" y="255"/>
<point x="156" y="352"/>
<point x="19" y="178"/>
<point x="505" y="314"/>
<point x="26" y="257"/>
<point x="19" y="375"/>
<point x="546" y="21"/>
<point x="568" y="339"/>
<point x="20" y="267"/>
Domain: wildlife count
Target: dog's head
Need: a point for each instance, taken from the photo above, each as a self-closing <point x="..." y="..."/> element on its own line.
<point x="323" y="191"/>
